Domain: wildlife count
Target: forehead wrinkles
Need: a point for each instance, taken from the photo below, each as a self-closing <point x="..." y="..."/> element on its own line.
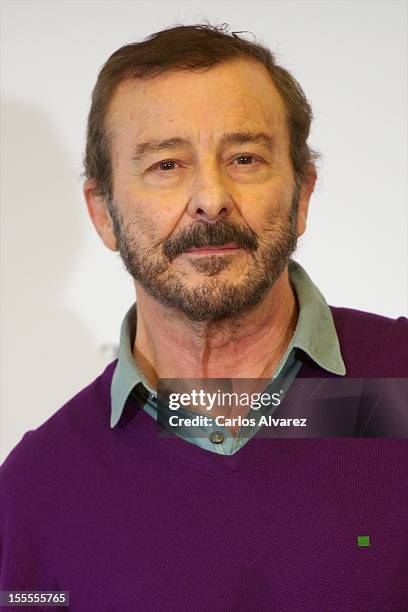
<point x="136" y="104"/>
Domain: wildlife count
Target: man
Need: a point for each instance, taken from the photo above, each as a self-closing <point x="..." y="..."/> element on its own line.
<point x="199" y="174"/>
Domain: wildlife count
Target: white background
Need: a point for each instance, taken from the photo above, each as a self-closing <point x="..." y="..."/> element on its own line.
<point x="63" y="294"/>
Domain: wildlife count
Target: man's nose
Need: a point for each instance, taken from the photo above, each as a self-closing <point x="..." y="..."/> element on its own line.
<point x="210" y="198"/>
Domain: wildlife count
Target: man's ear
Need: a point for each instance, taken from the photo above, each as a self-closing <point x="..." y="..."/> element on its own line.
<point x="306" y="190"/>
<point x="99" y="214"/>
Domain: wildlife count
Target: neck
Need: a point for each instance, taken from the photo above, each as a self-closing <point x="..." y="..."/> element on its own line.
<point x="168" y="345"/>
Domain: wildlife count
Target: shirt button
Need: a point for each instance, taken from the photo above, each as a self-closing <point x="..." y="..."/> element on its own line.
<point x="217" y="437"/>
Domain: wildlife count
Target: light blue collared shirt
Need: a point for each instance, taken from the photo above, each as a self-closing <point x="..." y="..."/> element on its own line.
<point x="315" y="334"/>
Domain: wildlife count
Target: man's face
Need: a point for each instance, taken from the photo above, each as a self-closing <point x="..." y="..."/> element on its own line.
<point x="205" y="189"/>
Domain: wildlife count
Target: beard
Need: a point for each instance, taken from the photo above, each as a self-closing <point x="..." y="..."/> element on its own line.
<point x="216" y="298"/>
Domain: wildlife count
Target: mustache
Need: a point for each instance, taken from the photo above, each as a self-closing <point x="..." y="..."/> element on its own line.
<point x="203" y="234"/>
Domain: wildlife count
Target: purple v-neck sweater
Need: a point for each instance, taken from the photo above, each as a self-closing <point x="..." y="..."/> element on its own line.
<point x="128" y="521"/>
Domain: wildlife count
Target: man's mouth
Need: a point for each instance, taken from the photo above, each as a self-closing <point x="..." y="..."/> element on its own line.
<point x="230" y="246"/>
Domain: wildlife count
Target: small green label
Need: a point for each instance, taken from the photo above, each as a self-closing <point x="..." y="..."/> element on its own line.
<point x="363" y="540"/>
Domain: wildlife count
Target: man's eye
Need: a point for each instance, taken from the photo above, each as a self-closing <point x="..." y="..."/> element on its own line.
<point x="245" y="157"/>
<point x="164" y="165"/>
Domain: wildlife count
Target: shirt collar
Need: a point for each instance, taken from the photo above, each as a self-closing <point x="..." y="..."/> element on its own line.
<point x="315" y="331"/>
<point x="315" y="334"/>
